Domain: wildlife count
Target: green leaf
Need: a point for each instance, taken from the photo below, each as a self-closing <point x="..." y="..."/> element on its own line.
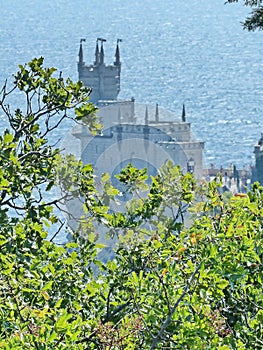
<point x="8" y="138"/>
<point x="62" y="323"/>
<point x="222" y="283"/>
<point x="47" y="286"/>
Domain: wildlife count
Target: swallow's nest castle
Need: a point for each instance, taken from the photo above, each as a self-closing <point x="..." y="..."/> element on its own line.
<point x="146" y="136"/>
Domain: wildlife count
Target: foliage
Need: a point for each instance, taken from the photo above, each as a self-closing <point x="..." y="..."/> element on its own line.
<point x="187" y="272"/>
<point x="255" y="21"/>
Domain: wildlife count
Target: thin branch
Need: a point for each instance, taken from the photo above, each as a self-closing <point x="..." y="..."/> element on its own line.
<point x="108" y="304"/>
<point x="164" y="288"/>
<point x="31" y="153"/>
<point x="142" y="318"/>
<point x="50" y="128"/>
<point x="88" y="338"/>
<point x="58" y="230"/>
<point x="19" y="311"/>
<point x="168" y="320"/>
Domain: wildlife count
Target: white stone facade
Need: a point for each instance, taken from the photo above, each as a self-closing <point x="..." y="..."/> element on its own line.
<point x="146" y="136"/>
<point x="128" y="136"/>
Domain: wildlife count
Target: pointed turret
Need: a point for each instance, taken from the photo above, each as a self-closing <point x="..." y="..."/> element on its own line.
<point x="132" y="118"/>
<point x="146" y="116"/>
<point x="146" y="130"/>
<point x="117" y="54"/>
<point x="104" y="79"/>
<point x="102" y="51"/>
<point x="97" y="54"/>
<point x="81" y="62"/>
<point x="183" y="114"/>
<point x="157" y="113"/>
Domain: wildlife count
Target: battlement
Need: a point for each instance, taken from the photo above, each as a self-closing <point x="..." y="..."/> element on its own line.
<point x="132" y="132"/>
<point x="103" y="79"/>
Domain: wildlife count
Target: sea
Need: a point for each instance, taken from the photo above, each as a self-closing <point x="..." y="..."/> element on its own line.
<point x="173" y="52"/>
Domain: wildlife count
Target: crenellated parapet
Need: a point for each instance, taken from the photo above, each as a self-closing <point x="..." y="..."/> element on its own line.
<point x="103" y="79"/>
<point x="132" y="131"/>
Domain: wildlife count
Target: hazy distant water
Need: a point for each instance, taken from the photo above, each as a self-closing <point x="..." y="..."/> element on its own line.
<point x="173" y="52"/>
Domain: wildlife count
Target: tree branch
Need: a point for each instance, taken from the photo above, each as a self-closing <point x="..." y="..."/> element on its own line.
<point x="168" y="320"/>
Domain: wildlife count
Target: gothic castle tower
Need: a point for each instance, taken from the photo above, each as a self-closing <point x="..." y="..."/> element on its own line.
<point x="145" y="136"/>
<point x="103" y="79"/>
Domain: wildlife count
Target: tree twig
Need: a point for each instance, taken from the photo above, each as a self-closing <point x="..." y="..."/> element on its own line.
<point x="159" y="336"/>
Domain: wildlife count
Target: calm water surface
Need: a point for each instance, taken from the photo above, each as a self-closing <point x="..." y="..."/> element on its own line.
<point x="173" y="52"/>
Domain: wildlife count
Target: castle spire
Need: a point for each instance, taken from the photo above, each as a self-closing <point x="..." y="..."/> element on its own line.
<point x="157" y="113"/>
<point x="81" y="52"/>
<point x="97" y="54"/>
<point x="104" y="79"/>
<point x="183" y="114"/>
<point x="101" y="53"/>
<point x="117" y="54"/>
<point x="146" y="116"/>
<point x="101" y="50"/>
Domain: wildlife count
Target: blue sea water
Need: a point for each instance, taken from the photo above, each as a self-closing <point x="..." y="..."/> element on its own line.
<point x="173" y="52"/>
